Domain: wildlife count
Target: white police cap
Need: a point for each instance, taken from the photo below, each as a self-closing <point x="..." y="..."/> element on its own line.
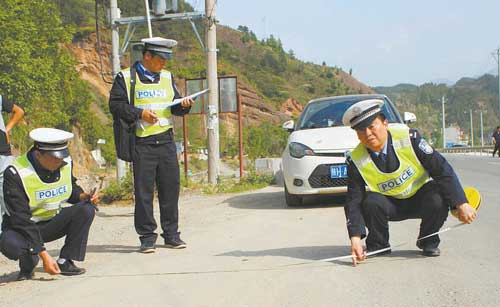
<point x="362" y="113"/>
<point x="160" y="46"/>
<point x="52" y="141"/>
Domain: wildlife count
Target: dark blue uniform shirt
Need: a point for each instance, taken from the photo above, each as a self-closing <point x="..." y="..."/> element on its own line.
<point x="436" y="165"/>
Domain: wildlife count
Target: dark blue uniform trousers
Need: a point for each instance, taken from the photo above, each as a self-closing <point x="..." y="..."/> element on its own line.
<point x="73" y="222"/>
<point x="156" y="164"/>
<point x="427" y="204"/>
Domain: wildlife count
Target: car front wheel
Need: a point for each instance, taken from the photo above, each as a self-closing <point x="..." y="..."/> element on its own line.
<point x="292" y="200"/>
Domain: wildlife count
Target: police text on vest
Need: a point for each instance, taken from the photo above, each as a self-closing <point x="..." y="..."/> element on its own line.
<point x="397" y="182"/>
<point x="51" y="193"/>
<point x="144" y="94"/>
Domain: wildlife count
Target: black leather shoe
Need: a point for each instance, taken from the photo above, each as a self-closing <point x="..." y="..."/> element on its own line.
<point x="68" y="268"/>
<point x="176" y="243"/>
<point x="25" y="275"/>
<point x="431" y="251"/>
<point x="370" y="249"/>
<point x="147" y="247"/>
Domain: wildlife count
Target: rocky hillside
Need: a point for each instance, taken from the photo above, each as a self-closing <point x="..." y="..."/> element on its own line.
<point x="257" y="106"/>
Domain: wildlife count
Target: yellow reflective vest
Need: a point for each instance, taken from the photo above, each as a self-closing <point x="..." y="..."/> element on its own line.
<point x="45" y="199"/>
<point x="153" y="96"/>
<point x="405" y="181"/>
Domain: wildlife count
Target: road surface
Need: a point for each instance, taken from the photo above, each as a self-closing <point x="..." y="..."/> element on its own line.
<point x="240" y="248"/>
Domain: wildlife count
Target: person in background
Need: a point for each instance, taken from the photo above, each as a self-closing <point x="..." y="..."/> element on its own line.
<point x="6" y="106"/>
<point x="496" y="141"/>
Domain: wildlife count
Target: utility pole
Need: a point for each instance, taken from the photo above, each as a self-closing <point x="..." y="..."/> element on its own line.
<point x="115" y="57"/>
<point x="443" y="121"/>
<point x="213" y="108"/>
<point x="471" y="130"/>
<point x="496" y="56"/>
<point x="498" y="63"/>
<point x="482" y="136"/>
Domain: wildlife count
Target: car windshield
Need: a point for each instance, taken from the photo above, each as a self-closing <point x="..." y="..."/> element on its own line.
<point x="328" y="113"/>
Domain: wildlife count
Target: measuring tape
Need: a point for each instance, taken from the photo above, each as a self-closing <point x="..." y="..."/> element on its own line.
<point x="474" y="199"/>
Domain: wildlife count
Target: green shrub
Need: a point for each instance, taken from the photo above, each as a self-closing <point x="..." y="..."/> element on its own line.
<point x="119" y="190"/>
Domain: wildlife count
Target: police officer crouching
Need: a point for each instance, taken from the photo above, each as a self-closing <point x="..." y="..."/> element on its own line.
<point x="37" y="189"/>
<point x="406" y="178"/>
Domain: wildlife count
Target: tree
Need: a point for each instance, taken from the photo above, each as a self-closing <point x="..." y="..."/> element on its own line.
<point x="38" y="72"/>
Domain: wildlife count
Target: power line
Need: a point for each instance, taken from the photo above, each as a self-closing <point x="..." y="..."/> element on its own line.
<point x="98" y="43"/>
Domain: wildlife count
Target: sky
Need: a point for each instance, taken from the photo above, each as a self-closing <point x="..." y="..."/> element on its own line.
<point x="384" y="42"/>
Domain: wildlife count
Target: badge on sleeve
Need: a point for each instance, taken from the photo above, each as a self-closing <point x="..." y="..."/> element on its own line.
<point x="425" y="147"/>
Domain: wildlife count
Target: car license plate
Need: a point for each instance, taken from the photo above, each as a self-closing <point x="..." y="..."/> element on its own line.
<point x="338" y="171"/>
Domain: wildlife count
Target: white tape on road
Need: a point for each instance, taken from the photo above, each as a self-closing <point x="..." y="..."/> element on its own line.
<point x="378" y="251"/>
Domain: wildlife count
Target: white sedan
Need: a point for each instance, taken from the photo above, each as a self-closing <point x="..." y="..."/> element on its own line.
<point x="314" y="158"/>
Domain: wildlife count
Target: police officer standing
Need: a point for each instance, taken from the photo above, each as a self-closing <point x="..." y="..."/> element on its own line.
<point x="406" y="178"/>
<point x="154" y="160"/>
<point x="38" y="188"/>
<point x="6" y="157"/>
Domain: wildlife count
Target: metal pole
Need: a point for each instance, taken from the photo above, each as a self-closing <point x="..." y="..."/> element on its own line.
<point x="498" y="62"/>
<point x="471" y="130"/>
<point x="115" y="57"/>
<point x="213" y="112"/>
<point x="240" y="129"/>
<point x="443" y="121"/>
<point x="185" y="139"/>
<point x="482" y="136"/>
<point x="148" y="18"/>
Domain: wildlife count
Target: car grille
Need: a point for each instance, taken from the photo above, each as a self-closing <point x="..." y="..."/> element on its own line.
<point x="320" y="177"/>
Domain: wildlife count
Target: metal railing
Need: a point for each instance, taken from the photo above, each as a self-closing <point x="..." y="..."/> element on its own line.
<point x="476" y="149"/>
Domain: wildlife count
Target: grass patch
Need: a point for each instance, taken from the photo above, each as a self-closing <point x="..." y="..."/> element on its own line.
<point x="233" y="185"/>
<point x="119" y="190"/>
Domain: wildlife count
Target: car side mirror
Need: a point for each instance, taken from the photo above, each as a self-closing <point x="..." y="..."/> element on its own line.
<point x="288" y="125"/>
<point x="409" y="117"/>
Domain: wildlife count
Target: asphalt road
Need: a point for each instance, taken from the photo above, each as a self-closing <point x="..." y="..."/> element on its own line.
<point x="241" y="249"/>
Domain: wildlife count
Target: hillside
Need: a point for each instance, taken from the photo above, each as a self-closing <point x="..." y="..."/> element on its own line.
<point x="274" y="85"/>
<point x="476" y="94"/>
<point x="51" y="47"/>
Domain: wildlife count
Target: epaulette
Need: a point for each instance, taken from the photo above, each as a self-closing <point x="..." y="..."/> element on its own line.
<point x="413" y="133"/>
<point x="348" y="160"/>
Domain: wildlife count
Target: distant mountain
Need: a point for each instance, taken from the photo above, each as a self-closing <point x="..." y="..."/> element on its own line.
<point x="443" y="81"/>
<point x="477" y="94"/>
<point x="400" y="88"/>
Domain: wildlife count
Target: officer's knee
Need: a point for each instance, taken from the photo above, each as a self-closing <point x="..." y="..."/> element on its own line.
<point x="434" y="202"/>
<point x="86" y="211"/>
<point x="12" y="244"/>
<point x="373" y="202"/>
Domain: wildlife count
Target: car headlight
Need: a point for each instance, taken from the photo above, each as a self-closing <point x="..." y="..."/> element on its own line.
<point x="298" y="150"/>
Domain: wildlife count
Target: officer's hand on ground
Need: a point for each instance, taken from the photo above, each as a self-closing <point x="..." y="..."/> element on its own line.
<point x="466" y="214"/>
<point x="49" y="264"/>
<point x="187" y="103"/>
<point x="149" y="116"/>
<point x="357" y="250"/>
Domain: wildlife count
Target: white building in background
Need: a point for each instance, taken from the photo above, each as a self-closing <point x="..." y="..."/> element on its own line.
<point x="455" y="136"/>
<point x="97" y="154"/>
